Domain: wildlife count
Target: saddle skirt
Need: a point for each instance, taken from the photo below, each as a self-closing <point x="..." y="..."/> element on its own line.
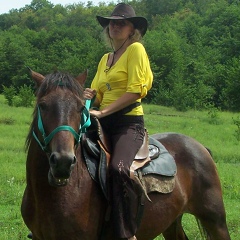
<point x="152" y="165"/>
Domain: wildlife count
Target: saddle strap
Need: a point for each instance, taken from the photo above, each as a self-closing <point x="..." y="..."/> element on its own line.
<point x="142" y="156"/>
<point x="104" y="139"/>
<point x="143" y="152"/>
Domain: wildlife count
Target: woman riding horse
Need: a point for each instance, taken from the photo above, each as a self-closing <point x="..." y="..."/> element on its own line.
<point x="122" y="80"/>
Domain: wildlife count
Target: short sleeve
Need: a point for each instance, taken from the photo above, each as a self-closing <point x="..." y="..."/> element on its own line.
<point x="140" y="76"/>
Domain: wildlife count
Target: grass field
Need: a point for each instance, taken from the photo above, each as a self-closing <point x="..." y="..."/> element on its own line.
<point x="215" y="131"/>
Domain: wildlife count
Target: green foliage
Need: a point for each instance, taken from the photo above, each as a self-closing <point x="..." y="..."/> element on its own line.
<point x="232" y="88"/>
<point x="193" y="47"/>
<point x="236" y="121"/>
<point x="25" y="97"/>
<point x="9" y="93"/>
<point x="213" y="115"/>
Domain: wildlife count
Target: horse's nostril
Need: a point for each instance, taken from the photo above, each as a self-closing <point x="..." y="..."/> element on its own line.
<point x="74" y="160"/>
<point x="53" y="160"/>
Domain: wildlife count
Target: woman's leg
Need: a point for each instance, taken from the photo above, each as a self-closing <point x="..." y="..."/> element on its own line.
<point x="126" y="143"/>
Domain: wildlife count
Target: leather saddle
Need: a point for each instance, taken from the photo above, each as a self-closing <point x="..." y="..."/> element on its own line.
<point x="96" y="139"/>
<point x="152" y="157"/>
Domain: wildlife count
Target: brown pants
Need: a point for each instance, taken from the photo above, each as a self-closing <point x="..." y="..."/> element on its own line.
<point x="126" y="134"/>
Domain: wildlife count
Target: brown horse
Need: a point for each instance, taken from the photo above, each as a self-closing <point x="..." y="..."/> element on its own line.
<point x="61" y="201"/>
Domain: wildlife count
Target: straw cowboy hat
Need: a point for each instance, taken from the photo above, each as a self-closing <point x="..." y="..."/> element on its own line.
<point x="125" y="11"/>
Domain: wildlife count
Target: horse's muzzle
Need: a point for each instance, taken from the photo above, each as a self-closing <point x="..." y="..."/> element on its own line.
<point x="61" y="165"/>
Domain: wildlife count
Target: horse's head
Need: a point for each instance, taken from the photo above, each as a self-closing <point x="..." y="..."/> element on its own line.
<point x="59" y="118"/>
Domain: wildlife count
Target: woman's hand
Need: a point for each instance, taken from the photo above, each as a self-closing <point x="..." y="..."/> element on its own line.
<point x="96" y="113"/>
<point x="89" y="93"/>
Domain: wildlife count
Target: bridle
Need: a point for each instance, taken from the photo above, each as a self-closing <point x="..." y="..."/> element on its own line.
<point x="85" y="123"/>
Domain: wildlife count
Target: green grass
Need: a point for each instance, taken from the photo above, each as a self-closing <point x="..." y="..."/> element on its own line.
<point x="14" y="124"/>
<point x="219" y="137"/>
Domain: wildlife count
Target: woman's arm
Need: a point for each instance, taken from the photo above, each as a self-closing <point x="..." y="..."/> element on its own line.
<point x="122" y="102"/>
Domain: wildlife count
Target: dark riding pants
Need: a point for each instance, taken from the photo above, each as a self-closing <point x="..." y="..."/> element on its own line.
<point x="126" y="134"/>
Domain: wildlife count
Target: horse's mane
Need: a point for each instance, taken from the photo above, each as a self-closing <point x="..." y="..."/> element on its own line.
<point x="51" y="82"/>
<point x="59" y="79"/>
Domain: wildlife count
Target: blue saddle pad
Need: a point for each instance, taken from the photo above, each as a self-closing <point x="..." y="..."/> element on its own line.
<point x="164" y="164"/>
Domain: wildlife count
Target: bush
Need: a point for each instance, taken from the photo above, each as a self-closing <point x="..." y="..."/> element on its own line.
<point x="9" y="93"/>
<point x="213" y="114"/>
<point x="26" y="96"/>
<point x="237" y="131"/>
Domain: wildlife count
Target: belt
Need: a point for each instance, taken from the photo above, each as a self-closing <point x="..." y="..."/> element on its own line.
<point x="127" y="109"/>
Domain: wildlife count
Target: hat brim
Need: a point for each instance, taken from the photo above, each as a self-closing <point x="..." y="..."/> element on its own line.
<point x="139" y="23"/>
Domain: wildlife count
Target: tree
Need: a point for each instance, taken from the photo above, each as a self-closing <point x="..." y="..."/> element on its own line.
<point x="13" y="59"/>
<point x="193" y="47"/>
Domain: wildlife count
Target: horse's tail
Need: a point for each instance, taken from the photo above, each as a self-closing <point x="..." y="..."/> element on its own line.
<point x="203" y="231"/>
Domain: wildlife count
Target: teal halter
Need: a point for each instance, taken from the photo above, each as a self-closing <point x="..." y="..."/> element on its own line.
<point x="85" y="123"/>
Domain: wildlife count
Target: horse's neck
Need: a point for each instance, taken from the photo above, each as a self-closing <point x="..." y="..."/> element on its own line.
<point x="80" y="174"/>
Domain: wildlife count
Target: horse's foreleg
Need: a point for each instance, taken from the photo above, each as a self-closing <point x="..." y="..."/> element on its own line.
<point x="175" y="231"/>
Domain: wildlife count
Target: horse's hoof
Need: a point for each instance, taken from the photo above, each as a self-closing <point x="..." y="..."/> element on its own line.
<point x="29" y="235"/>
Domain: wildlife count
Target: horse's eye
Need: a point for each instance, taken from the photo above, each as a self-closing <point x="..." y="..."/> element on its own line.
<point x="43" y="106"/>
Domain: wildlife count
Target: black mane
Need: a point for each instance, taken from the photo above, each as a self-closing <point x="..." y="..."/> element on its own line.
<point x="59" y="79"/>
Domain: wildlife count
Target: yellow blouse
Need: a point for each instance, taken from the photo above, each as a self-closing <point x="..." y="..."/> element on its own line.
<point x="131" y="73"/>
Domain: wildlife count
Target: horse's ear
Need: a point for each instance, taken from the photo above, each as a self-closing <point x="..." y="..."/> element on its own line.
<point x="37" y="77"/>
<point x="81" y="78"/>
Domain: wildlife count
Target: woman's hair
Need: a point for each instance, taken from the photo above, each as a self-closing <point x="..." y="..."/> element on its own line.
<point x="135" y="37"/>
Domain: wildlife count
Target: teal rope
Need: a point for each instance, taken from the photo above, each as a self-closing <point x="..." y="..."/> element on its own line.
<point x="85" y="123"/>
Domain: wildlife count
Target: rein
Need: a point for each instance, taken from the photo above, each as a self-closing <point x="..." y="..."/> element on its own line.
<point x="85" y="123"/>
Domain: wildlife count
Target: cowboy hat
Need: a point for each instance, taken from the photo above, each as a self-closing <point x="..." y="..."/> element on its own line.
<point x="125" y="11"/>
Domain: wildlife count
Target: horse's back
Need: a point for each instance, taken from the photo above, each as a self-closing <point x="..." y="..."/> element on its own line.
<point x="197" y="190"/>
<point x="186" y="150"/>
